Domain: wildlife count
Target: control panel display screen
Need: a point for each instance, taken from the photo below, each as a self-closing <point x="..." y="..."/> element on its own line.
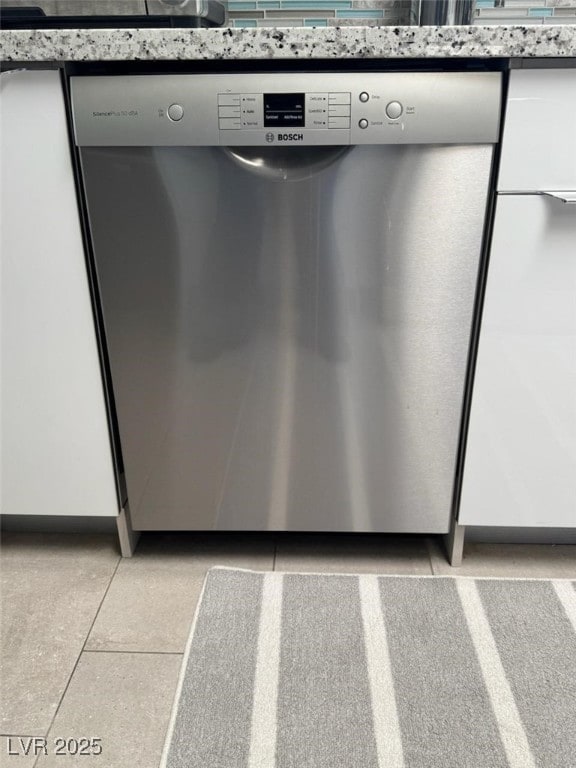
<point x="285" y="110"/>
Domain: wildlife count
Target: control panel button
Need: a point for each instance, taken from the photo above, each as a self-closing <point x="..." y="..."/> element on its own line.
<point x="338" y="122"/>
<point x="339" y="110"/>
<point x="175" y="112"/>
<point x="394" y="109"/>
<point x="363" y="123"/>
<point x="228" y="99"/>
<point x="229" y="123"/>
<point x="229" y="111"/>
<point x="339" y="98"/>
<point x="364" y="97"/>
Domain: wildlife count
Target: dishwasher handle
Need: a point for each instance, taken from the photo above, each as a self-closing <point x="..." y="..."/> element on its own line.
<point x="566" y="196"/>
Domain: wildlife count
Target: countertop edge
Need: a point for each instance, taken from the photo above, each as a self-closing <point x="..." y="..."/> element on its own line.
<point x="288" y="43"/>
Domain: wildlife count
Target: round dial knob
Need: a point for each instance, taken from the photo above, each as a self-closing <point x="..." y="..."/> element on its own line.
<point x="175" y="112"/>
<point x="394" y="109"/>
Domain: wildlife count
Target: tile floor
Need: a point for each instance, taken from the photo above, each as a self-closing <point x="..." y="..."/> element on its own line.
<point x="92" y="644"/>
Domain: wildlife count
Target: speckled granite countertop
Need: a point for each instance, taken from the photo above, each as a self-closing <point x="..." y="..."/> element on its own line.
<point x="288" y="43"/>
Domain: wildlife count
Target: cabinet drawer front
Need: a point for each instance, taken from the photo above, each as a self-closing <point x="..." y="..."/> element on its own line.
<point x="539" y="143"/>
<point x="520" y="465"/>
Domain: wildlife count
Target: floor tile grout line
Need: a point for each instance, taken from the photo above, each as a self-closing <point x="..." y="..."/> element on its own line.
<point x="104" y="596"/>
<point x="145" y="653"/>
<point x="55" y="715"/>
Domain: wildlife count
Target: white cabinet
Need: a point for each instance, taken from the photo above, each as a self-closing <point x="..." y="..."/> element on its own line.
<point x="539" y="141"/>
<point x="520" y="467"/>
<point x="56" y="454"/>
<point x="520" y="464"/>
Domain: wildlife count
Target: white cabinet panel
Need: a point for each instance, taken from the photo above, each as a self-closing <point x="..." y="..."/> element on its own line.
<point x="520" y="467"/>
<point x="539" y="142"/>
<point x="56" y="456"/>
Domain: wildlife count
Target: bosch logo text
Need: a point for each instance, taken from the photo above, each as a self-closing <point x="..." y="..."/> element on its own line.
<point x="290" y="137"/>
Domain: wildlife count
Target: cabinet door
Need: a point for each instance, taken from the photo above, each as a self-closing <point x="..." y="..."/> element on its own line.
<point x="539" y="142"/>
<point x="520" y="467"/>
<point x="56" y="454"/>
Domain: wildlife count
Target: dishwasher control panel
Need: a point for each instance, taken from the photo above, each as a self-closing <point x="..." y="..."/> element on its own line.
<point x="287" y="109"/>
<point x="284" y="111"/>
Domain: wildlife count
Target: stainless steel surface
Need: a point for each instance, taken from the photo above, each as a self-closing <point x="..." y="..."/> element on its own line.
<point x="80" y="7"/>
<point x="436" y="107"/>
<point x="185" y="7"/>
<point x="454" y="543"/>
<point x="285" y="163"/>
<point x="288" y="355"/>
<point x="111" y="7"/>
<point x="446" y="12"/>
<point x="199" y="9"/>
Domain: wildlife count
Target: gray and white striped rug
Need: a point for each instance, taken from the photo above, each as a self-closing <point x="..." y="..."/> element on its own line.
<point x="330" y="671"/>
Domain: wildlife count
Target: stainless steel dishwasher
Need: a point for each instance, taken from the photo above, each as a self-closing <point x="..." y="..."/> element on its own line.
<point x="287" y="266"/>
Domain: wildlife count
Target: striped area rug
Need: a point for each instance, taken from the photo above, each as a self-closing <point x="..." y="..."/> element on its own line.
<point x="330" y="671"/>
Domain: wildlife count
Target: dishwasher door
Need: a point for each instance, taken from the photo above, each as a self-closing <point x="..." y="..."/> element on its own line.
<point x="288" y="351"/>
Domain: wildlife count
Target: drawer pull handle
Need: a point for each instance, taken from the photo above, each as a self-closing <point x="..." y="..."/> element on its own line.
<point x="565" y="197"/>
